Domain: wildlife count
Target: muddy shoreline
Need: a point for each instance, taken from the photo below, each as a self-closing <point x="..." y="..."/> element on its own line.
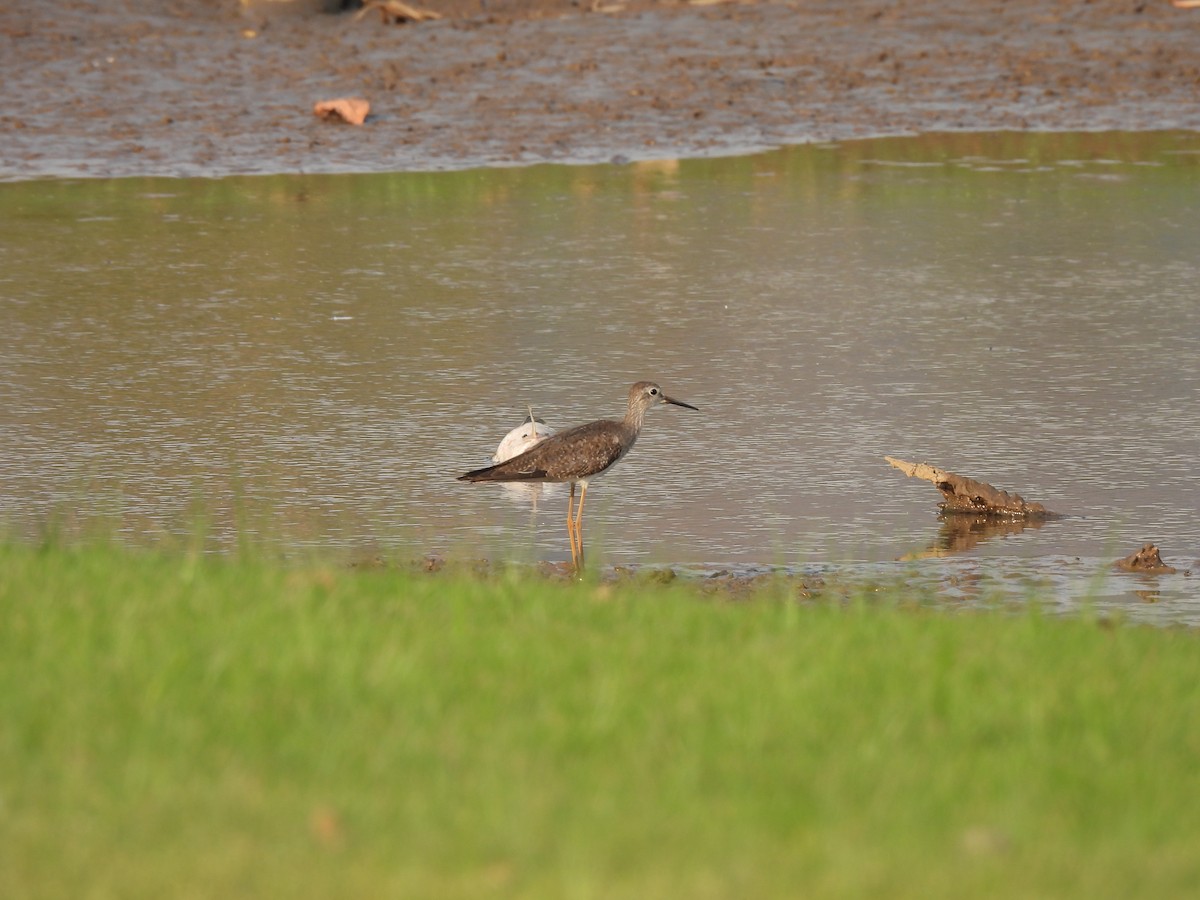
<point x="105" y="88"/>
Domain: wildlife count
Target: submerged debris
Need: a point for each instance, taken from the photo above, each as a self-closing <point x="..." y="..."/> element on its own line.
<point x="966" y="495"/>
<point x="1147" y="560"/>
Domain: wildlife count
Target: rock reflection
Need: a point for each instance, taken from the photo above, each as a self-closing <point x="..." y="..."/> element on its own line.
<point x="961" y="532"/>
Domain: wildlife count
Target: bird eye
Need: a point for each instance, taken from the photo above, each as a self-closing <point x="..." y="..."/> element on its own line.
<point x="653" y="392"/>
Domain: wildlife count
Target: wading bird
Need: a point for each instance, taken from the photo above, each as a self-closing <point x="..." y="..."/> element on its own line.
<point x="578" y="455"/>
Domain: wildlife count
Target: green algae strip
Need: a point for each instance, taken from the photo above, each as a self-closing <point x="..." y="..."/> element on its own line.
<point x="176" y="725"/>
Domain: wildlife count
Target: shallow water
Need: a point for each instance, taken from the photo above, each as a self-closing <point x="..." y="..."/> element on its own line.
<point x="313" y="359"/>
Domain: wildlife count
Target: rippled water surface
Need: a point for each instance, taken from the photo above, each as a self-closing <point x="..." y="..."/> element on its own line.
<point x="315" y="358"/>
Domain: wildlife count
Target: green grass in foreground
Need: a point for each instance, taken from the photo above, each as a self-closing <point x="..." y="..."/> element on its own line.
<point x="180" y="727"/>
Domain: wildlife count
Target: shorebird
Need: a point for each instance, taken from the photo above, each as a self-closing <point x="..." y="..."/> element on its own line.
<point x="532" y="431"/>
<point x="578" y="455"/>
<point x="521" y="438"/>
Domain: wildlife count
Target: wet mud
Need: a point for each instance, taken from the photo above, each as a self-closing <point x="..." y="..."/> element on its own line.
<point x="1147" y="560"/>
<point x="198" y="88"/>
<point x="965" y="584"/>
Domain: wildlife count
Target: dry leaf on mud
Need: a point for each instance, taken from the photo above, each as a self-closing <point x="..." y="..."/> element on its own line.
<point x="397" y="11"/>
<point x="349" y="109"/>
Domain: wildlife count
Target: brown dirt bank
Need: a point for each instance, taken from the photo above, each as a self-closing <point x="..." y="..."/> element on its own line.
<point x="188" y="87"/>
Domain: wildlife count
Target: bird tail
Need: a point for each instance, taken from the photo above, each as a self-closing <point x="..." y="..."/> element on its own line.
<point x="502" y="472"/>
<point x="477" y="475"/>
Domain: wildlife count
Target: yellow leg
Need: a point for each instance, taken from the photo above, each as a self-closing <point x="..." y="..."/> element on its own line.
<point x="579" y="523"/>
<point x="571" y="525"/>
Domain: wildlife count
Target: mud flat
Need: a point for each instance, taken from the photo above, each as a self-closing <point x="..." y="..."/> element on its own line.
<point x="107" y="88"/>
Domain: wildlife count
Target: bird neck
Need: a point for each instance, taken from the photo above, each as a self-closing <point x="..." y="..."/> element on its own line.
<point x="634" y="418"/>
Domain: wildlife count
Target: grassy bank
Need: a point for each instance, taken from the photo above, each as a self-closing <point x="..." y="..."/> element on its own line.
<point x="179" y="727"/>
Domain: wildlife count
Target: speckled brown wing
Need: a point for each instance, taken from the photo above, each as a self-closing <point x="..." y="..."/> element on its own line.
<point x="567" y="456"/>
